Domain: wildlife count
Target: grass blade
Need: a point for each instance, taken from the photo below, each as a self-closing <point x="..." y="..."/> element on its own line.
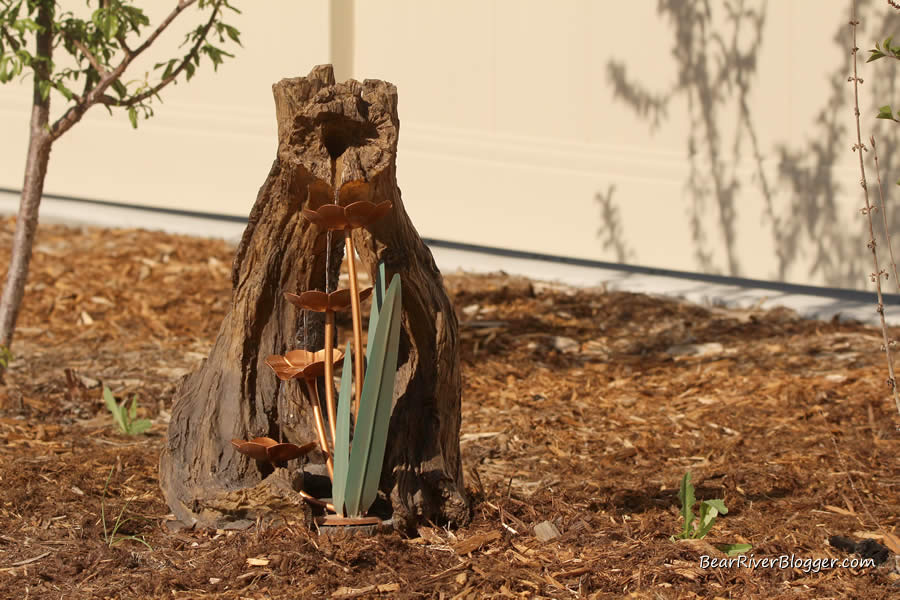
<point x="686" y="496"/>
<point x="342" y="435"/>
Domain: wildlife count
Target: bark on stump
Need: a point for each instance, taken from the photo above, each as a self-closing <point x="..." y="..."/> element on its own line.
<point x="324" y="128"/>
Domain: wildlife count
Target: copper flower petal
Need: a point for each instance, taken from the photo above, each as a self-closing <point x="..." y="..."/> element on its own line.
<point x="282" y="367"/>
<point x="318" y="301"/>
<point x="280" y="452"/>
<point x="328" y="216"/>
<point x="317" y="368"/>
<point x="355" y="191"/>
<point x="358" y="213"/>
<point x="362" y="214"/>
<point x="339" y="300"/>
<point x="381" y="209"/>
<point x="299" y="358"/>
<point x="318" y="194"/>
<point x="302" y="363"/>
<point x="309" y="300"/>
<point x="255" y="448"/>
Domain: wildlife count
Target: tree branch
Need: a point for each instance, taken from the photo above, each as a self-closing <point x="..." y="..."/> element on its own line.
<point x="91" y="58"/>
<point x="175" y="72"/>
<point x="74" y="114"/>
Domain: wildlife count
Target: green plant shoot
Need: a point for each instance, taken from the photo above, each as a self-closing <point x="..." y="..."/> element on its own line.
<point x="125" y="418"/>
<point x="709" y="510"/>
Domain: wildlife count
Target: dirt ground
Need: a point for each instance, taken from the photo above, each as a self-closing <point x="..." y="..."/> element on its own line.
<point x="581" y="408"/>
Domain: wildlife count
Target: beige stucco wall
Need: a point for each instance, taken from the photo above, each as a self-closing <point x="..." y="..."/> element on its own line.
<point x="651" y="133"/>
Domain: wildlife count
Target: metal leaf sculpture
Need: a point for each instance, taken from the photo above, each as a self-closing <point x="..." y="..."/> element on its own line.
<point x="373" y="416"/>
<point x="342" y="436"/>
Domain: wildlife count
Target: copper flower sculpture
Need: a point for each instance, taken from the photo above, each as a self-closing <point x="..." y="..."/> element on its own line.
<point x="349" y="209"/>
<point x="267" y="449"/>
<point x="329" y="304"/>
<point x="306" y="365"/>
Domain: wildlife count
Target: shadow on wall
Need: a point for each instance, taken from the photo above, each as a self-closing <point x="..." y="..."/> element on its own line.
<point x="717" y="65"/>
<point x="611" y="230"/>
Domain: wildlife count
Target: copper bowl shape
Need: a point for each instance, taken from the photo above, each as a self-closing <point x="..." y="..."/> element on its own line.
<point x="267" y="449"/>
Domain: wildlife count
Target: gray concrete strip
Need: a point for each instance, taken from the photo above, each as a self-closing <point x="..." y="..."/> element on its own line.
<point x="825" y="305"/>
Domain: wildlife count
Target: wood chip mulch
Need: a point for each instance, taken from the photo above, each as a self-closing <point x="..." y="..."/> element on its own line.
<point x="582" y="410"/>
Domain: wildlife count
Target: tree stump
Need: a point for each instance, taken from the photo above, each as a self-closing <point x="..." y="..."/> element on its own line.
<point x="331" y="132"/>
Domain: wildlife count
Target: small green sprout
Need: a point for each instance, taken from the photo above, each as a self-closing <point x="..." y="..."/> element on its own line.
<point x="126" y="419"/>
<point x="709" y="510"/>
<point x="111" y="534"/>
<point x="6" y="357"/>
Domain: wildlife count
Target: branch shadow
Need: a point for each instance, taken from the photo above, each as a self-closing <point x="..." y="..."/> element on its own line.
<point x="716" y="47"/>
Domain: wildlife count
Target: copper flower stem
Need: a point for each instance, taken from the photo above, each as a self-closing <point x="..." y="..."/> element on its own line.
<point x="329" y="372"/>
<point x="320" y="425"/>
<point x="357" y="324"/>
<point x="313" y="500"/>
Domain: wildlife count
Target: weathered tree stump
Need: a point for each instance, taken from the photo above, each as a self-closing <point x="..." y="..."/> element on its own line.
<point x="329" y="132"/>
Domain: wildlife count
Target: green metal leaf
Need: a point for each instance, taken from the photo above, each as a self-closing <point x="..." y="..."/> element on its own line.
<point x="342" y="436"/>
<point x="377" y="302"/>
<point x="385" y="399"/>
<point x="371" y="426"/>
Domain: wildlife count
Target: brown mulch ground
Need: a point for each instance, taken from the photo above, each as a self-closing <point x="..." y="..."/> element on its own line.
<point x="577" y="410"/>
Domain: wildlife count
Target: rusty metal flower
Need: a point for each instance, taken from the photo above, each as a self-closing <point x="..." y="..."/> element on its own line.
<point x="301" y="364"/>
<point x="353" y="207"/>
<point x="267" y="449"/>
<point x="321" y="302"/>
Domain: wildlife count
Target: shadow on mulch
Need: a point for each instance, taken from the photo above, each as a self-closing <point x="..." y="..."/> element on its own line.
<point x="581" y="408"/>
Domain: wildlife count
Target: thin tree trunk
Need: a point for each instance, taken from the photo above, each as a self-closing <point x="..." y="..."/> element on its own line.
<point x="39" y="146"/>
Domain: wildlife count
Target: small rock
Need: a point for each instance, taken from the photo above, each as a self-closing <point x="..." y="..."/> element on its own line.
<point x="88" y="382"/>
<point x="565" y="344"/>
<point x="545" y="531"/>
<point x="215" y="580"/>
<point x="471" y="309"/>
<point x="696" y="349"/>
<point x="836" y="378"/>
